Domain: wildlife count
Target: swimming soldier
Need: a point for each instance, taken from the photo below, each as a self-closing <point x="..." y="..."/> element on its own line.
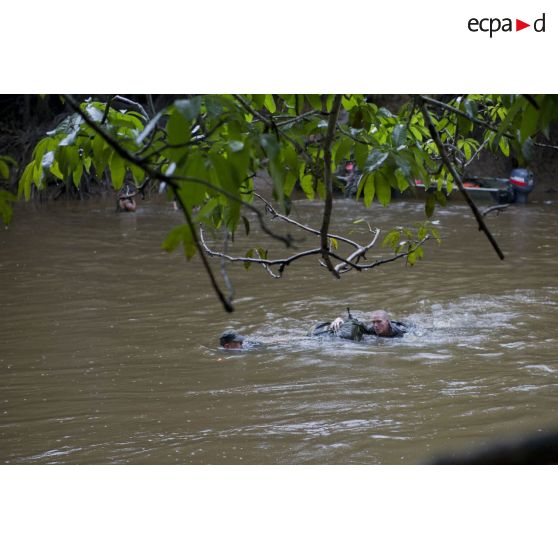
<point x="230" y="339"/>
<point x="380" y="325"/>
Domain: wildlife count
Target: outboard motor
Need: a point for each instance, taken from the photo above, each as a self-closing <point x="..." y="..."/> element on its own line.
<point x="522" y="183"/>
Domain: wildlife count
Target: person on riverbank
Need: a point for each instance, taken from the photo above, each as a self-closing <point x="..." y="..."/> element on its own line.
<point x="126" y="201"/>
<point x="380" y="325"/>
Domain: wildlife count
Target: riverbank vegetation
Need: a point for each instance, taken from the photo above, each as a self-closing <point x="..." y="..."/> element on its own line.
<point x="208" y="150"/>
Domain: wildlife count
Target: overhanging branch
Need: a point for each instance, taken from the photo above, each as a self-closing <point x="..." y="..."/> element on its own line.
<point x="457" y="179"/>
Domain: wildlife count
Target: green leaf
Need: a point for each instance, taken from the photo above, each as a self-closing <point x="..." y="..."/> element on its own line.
<point x="402" y="182"/>
<point x="137" y="173"/>
<point x="6" y="211"/>
<point x="504" y="146"/>
<point x="383" y="189"/>
<point x="179" y="130"/>
<point x="93" y="111"/>
<point x="270" y="145"/>
<point x="416" y="132"/>
<point x="430" y="205"/>
<point x="375" y="161"/>
<point x="246" y="225"/>
<point x="307" y="185"/>
<point x="441" y="198"/>
<point x="102" y="154"/>
<point x="392" y="239"/>
<point x="529" y="122"/>
<point x="4" y="170"/>
<point x="207" y="211"/>
<point x="76" y="175"/>
<point x="258" y="100"/>
<point x="315" y="101"/>
<point x="367" y="184"/>
<point x="24" y="186"/>
<point x="262" y="252"/>
<point x="117" y="171"/>
<point x="361" y="154"/>
<point x="290" y="181"/>
<point x="348" y="102"/>
<point x="342" y="149"/>
<point x="249" y="254"/>
<point x="399" y="134"/>
<point x="269" y="104"/>
<point x="449" y="183"/>
<point x="385" y="113"/>
<point x="180" y="234"/>
<point x="189" y="109"/>
<point x="470" y="108"/>
<point x="290" y="159"/>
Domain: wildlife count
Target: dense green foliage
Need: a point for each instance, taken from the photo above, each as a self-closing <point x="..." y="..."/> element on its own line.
<point x="208" y="148"/>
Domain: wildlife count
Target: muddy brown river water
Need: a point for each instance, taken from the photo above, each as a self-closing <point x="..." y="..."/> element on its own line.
<point x="108" y="345"/>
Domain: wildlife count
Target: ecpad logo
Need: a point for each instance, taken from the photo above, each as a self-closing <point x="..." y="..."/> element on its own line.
<point x="494" y="24"/>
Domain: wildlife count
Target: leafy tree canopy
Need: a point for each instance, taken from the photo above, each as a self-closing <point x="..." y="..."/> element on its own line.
<point x="207" y="150"/>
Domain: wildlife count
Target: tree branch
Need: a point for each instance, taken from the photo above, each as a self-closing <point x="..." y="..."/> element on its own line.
<point x="298" y="118"/>
<point x="136" y="106"/>
<point x="457" y="180"/>
<point x="328" y="204"/>
<point x="430" y="101"/>
<point x="358" y="253"/>
<point x="281" y="263"/>
<point x="393" y="258"/>
<point x="306" y="228"/>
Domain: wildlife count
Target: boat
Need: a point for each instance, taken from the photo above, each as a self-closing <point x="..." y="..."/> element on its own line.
<point x="514" y="189"/>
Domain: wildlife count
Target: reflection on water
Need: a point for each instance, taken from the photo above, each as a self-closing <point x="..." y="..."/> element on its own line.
<point x="109" y="352"/>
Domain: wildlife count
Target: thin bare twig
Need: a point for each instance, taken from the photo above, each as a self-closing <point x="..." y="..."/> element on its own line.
<point x="476" y="153"/>
<point x="358" y="253"/>
<point x="394" y="258"/>
<point x="136" y="106"/>
<point x="280" y="263"/>
<point x="298" y="118"/>
<point x="306" y="228"/>
<point x="545" y="145"/>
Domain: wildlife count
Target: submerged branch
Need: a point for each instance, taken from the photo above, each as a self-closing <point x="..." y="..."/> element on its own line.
<point x="498" y="208"/>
